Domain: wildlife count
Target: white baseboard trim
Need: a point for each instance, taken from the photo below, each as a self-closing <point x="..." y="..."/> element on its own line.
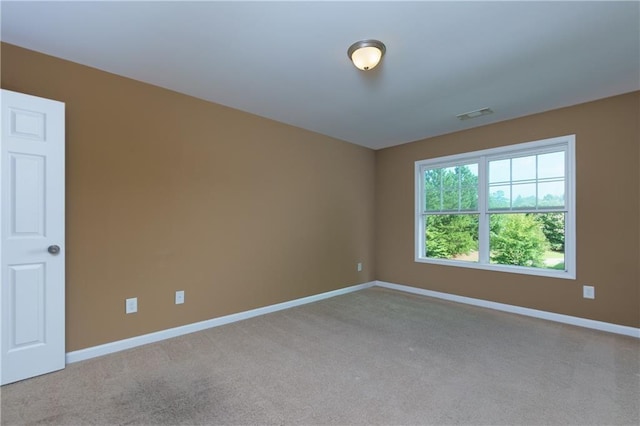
<point x="133" y="342"/>
<point x="566" y="319"/>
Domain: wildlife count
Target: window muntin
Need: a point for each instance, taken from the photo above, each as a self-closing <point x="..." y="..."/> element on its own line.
<point x="527" y="189"/>
<point x="451" y="189"/>
<point x="530" y="182"/>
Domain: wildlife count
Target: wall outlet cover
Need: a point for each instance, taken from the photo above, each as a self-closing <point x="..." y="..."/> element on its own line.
<point x="588" y="292"/>
<point x="131" y="305"/>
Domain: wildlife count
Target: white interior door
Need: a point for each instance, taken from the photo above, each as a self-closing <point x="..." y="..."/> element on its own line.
<point x="32" y="237"/>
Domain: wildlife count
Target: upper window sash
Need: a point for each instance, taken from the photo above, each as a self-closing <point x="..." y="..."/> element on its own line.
<point x="530" y="181"/>
<point x="525" y="152"/>
<point x="534" y="184"/>
<point x="450" y="188"/>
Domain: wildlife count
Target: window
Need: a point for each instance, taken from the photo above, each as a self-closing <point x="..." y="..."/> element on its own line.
<point x="509" y="209"/>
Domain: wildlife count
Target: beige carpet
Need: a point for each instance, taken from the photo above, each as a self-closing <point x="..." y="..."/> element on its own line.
<point x="371" y="357"/>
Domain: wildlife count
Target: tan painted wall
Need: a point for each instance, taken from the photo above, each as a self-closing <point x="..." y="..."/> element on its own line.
<point x="166" y="192"/>
<point x="608" y="213"/>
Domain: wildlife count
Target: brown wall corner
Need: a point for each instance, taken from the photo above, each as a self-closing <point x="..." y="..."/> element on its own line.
<point x="607" y="213"/>
<point x="167" y="192"/>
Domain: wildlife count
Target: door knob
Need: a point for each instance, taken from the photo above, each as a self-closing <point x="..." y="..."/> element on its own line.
<point x="54" y="249"/>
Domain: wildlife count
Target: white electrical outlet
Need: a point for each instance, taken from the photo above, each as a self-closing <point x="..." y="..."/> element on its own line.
<point x="359" y="267"/>
<point x="131" y="305"/>
<point x="588" y="292"/>
<point x="179" y="297"/>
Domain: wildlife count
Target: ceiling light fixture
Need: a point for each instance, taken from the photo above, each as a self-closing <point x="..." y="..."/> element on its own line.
<point x="366" y="54"/>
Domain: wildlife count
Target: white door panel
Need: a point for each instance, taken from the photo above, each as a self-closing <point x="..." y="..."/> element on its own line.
<point x="26" y="291"/>
<point x="32" y="220"/>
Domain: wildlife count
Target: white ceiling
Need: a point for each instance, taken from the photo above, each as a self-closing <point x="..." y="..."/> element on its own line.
<point x="287" y="60"/>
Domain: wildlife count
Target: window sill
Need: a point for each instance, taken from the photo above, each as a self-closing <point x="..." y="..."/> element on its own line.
<point x="551" y="273"/>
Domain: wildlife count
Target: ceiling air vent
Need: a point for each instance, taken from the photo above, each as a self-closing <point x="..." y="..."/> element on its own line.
<point x="473" y="114"/>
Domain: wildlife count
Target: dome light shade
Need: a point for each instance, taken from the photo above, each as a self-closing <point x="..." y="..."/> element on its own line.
<point x="366" y="54"/>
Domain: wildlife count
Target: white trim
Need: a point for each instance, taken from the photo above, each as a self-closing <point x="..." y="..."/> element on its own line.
<point x="506" y="150"/>
<point x="565" y="319"/>
<point x="482" y="158"/>
<point x="542" y="272"/>
<point x="571" y="250"/>
<point x="120" y="345"/>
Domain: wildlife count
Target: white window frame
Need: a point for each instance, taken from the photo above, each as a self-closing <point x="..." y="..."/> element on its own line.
<point x="566" y="143"/>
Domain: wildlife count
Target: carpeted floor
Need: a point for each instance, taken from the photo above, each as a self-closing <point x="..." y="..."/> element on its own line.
<point x="371" y="357"/>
